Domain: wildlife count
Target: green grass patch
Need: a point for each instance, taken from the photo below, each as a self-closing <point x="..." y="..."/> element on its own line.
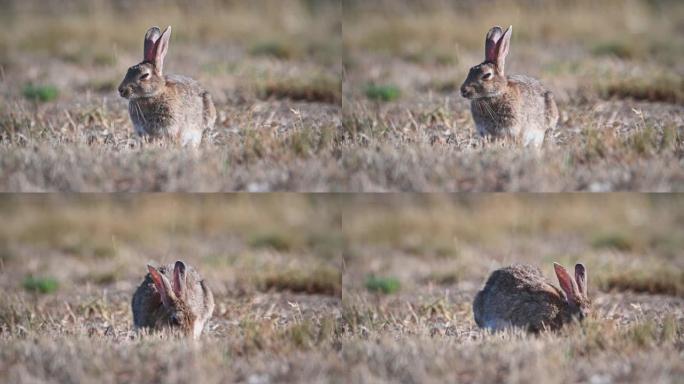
<point x="385" y="92"/>
<point x="42" y="93"/>
<point x="384" y="285"/>
<point x="43" y="285"/>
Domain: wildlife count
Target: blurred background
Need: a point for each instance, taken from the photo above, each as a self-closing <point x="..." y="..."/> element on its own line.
<point x="69" y="266"/>
<point x="414" y="263"/>
<point x="615" y="68"/>
<point x="237" y="49"/>
<point x="241" y="244"/>
<point x="419" y="243"/>
<point x="415" y="45"/>
<point x="273" y="69"/>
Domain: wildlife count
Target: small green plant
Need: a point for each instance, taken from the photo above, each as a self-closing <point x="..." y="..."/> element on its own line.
<point x="42" y="93"/>
<point x="385" y="285"/>
<point x="386" y="92"/>
<point x="42" y="285"/>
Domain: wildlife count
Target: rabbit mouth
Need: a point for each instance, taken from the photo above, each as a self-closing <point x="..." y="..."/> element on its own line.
<point x="125" y="93"/>
<point x="481" y="97"/>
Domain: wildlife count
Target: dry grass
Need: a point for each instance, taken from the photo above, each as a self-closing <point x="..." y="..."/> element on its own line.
<point x="272" y="67"/>
<point x="352" y="288"/>
<point x="613" y="66"/>
<point x="305" y="107"/>
<point x="425" y="331"/>
<point x="65" y="308"/>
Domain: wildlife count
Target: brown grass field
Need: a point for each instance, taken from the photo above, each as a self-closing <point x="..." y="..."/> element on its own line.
<point x="273" y="68"/>
<point x="69" y="267"/>
<point x="414" y="263"/>
<point x="615" y="68"/>
<point x="333" y="288"/>
<point x="344" y="95"/>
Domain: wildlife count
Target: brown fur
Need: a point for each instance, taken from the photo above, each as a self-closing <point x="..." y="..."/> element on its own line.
<point x="170" y="106"/>
<point x="185" y="308"/>
<point x="516" y="107"/>
<point x="520" y="296"/>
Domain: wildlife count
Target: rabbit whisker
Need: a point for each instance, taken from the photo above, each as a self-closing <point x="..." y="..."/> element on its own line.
<point x="491" y="112"/>
<point x="140" y="113"/>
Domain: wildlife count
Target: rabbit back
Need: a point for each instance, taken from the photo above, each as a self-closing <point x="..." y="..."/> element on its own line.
<point x="183" y="110"/>
<point x="518" y="296"/>
<point x="524" y="111"/>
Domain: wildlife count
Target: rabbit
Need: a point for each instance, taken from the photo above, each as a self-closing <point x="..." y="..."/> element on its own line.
<point x="520" y="296"/>
<point x="165" y="105"/>
<point x="518" y="107"/>
<point x="173" y="297"/>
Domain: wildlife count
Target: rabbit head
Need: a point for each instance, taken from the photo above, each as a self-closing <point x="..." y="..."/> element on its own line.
<point x="146" y="78"/>
<point x="575" y="290"/>
<point x="488" y="79"/>
<point x="175" y="299"/>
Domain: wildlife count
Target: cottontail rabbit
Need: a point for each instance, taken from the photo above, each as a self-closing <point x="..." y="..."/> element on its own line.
<point x="520" y="296"/>
<point x="516" y="106"/>
<point x="173" y="296"/>
<point x="165" y="105"/>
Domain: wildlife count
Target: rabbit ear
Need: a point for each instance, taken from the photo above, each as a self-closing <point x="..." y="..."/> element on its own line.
<point x="566" y="281"/>
<point x="151" y="38"/>
<point x="160" y="49"/>
<point x="581" y="279"/>
<point x="492" y="38"/>
<point x="162" y="284"/>
<point x="502" y="47"/>
<point x="179" y="279"/>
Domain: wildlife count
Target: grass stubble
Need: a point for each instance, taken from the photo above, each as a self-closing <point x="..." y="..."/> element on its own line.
<point x="304" y="107"/>
<point x="69" y="267"/>
<point x="614" y="70"/>
<point x="438" y="250"/>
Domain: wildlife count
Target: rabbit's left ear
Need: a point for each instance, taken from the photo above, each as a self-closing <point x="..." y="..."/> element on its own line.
<point x="567" y="283"/>
<point x="151" y="37"/>
<point x="493" y="37"/>
<point x="502" y="47"/>
<point x="162" y="284"/>
<point x="160" y="49"/>
<point x="581" y="279"/>
<point x="179" y="279"/>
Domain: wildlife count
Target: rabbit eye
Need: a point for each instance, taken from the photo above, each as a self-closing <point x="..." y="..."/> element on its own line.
<point x="144" y="76"/>
<point x="175" y="321"/>
<point x="487" y="76"/>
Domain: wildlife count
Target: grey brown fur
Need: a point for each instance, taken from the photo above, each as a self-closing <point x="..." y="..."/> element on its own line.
<point x="517" y="107"/>
<point x="520" y="296"/>
<point x="171" y="106"/>
<point x="178" y="300"/>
